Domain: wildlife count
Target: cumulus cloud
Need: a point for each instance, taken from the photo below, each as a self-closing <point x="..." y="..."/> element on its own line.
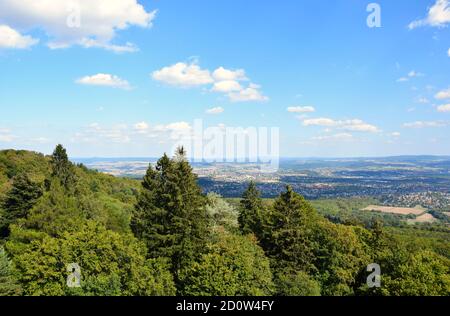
<point x="222" y="74"/>
<point x="355" y="125"/>
<point x="442" y="95"/>
<point x="106" y="80"/>
<point x="301" y="109"/>
<point x="184" y="75"/>
<point x="438" y="15"/>
<point x="425" y="124"/>
<point x="216" y="110"/>
<point x="92" y="23"/>
<point x="320" y="122"/>
<point x="229" y="82"/>
<point x="10" y="38"/>
<point x="444" y="108"/>
<point x="252" y="93"/>
<point x="227" y="86"/>
<point x="141" y="127"/>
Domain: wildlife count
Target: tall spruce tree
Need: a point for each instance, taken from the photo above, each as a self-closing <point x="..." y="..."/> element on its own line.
<point x="288" y="238"/>
<point x="62" y="168"/>
<point x="19" y="201"/>
<point x="251" y="211"/>
<point x="170" y="213"/>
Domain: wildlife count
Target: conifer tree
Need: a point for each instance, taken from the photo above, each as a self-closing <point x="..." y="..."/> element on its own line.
<point x="170" y="213"/>
<point x="250" y="216"/>
<point x="19" y="201"/>
<point x="62" y="168"/>
<point x="288" y="238"/>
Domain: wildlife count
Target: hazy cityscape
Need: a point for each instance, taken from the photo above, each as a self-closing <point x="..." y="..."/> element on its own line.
<point x="401" y="181"/>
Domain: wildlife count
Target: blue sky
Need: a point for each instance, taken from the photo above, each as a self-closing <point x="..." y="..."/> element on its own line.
<point x="135" y="72"/>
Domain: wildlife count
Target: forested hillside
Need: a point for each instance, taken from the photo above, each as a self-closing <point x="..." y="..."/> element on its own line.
<point x="163" y="236"/>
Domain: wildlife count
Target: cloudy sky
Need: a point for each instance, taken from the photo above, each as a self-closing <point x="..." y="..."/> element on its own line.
<point x="120" y="77"/>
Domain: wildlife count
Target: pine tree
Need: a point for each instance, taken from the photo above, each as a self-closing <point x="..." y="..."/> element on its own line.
<point x="62" y="168"/>
<point x="19" y="201"/>
<point x="8" y="283"/>
<point x="251" y="212"/>
<point x="288" y="236"/>
<point x="170" y="213"/>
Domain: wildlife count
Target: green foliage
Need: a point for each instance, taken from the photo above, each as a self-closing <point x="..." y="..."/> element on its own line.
<point x="251" y="211"/>
<point x="288" y="239"/>
<point x="170" y="214"/>
<point x="56" y="212"/>
<point x="349" y="212"/>
<point x="195" y="245"/>
<point x="15" y="162"/>
<point x="233" y="266"/>
<point x="111" y="264"/>
<point x="221" y="212"/>
<point x="339" y="258"/>
<point x="62" y="168"/>
<point x="422" y="274"/>
<point x="296" y="283"/>
<point x="9" y="285"/>
<point x="19" y="200"/>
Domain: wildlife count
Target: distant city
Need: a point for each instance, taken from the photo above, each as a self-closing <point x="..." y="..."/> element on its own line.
<point x="402" y="181"/>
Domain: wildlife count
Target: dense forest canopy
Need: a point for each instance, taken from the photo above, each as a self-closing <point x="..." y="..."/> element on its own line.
<point x="163" y="236"/>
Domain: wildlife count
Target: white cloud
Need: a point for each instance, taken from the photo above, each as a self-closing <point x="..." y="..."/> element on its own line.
<point x="355" y="125"/>
<point x="422" y="100"/>
<point x="448" y="53"/>
<point x="92" y="23"/>
<point x="444" y="108"/>
<point x="184" y="75"/>
<point x="319" y="122"/>
<point x="178" y="126"/>
<point x="222" y="74"/>
<point x="414" y="73"/>
<point x="145" y="128"/>
<point x="424" y="124"/>
<point x="40" y="140"/>
<point x="95" y="133"/>
<point x="301" y="109"/>
<point x="88" y="43"/>
<point x="141" y="127"/>
<point x="359" y="126"/>
<point x="438" y="15"/>
<point x="223" y="81"/>
<point x="6" y="136"/>
<point x="411" y="74"/>
<point x="106" y="80"/>
<point x="402" y="79"/>
<point x="10" y="38"/>
<point x="251" y="93"/>
<point x="226" y="86"/>
<point x="395" y="134"/>
<point x="442" y="95"/>
<point x="216" y="110"/>
<point x="338" y="137"/>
